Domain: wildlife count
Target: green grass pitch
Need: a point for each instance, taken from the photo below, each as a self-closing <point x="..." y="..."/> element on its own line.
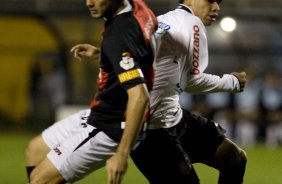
<point x="264" y="166"/>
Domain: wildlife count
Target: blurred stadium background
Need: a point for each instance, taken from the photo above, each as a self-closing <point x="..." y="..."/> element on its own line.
<point x="40" y="82"/>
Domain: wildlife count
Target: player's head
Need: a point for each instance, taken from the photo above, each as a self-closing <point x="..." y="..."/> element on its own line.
<point x="206" y="10"/>
<point x="104" y="8"/>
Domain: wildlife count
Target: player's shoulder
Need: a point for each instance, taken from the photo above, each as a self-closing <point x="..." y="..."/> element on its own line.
<point x="122" y="28"/>
<point x="179" y="18"/>
<point x="127" y="22"/>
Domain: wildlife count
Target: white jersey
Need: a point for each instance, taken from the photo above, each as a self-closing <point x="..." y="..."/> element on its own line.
<point x="181" y="58"/>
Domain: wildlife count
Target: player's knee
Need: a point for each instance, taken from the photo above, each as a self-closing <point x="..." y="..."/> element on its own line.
<point x="233" y="169"/>
<point x="239" y="159"/>
<point x="242" y="157"/>
<point x="239" y="156"/>
<point x="229" y="154"/>
<point x="29" y="150"/>
<point x="234" y="173"/>
<point x="35" y="151"/>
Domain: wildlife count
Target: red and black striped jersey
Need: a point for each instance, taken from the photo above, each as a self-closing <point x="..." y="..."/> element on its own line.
<point x="125" y="61"/>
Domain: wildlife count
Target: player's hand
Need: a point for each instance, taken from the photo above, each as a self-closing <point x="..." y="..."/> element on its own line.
<point x="241" y="76"/>
<point x="116" y="167"/>
<point x="85" y="50"/>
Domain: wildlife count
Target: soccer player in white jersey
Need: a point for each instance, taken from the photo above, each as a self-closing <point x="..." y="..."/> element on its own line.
<point x="176" y="138"/>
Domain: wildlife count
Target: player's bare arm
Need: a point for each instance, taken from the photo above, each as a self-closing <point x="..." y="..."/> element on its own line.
<point x="85" y="50"/>
<point x="138" y="99"/>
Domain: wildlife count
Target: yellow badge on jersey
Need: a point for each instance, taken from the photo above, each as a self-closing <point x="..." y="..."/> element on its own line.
<point x="129" y="75"/>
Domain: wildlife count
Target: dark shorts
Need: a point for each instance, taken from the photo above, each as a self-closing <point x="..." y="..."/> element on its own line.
<point x="162" y="156"/>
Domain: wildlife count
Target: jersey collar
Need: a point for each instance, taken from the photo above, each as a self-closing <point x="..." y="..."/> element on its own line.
<point x="128" y="8"/>
<point x="184" y="7"/>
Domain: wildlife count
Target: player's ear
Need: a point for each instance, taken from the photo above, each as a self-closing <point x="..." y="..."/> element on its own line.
<point x="187" y="2"/>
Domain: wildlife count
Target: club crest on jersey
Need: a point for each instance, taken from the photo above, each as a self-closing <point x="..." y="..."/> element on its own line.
<point x="127" y="61"/>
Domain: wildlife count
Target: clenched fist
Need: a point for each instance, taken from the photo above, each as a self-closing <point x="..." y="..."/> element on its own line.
<point x="241" y="76"/>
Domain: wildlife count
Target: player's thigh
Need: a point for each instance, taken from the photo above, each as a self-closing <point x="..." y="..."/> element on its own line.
<point x="36" y="151"/>
<point x="202" y="138"/>
<point x="157" y="156"/>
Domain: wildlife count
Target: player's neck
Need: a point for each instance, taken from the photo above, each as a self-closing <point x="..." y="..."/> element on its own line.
<point x="125" y="7"/>
<point x="117" y="8"/>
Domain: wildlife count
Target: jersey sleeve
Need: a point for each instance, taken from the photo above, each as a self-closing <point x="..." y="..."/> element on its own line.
<point x="123" y="50"/>
<point x="193" y="40"/>
<point x="208" y="83"/>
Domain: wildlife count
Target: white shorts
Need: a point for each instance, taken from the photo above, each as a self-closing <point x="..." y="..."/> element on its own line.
<point x="75" y="162"/>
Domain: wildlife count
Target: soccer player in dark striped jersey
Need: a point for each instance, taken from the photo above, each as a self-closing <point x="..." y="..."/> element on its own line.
<point x="104" y="134"/>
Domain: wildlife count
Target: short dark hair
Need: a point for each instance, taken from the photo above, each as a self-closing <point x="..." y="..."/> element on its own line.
<point x="181" y="1"/>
